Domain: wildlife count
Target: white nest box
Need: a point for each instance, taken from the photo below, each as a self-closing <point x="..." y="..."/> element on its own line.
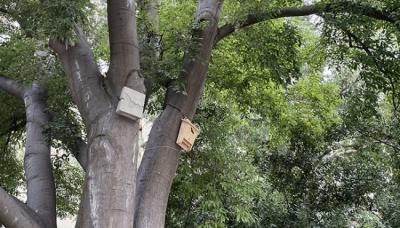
<point x="187" y="134"/>
<point x="131" y="103"/>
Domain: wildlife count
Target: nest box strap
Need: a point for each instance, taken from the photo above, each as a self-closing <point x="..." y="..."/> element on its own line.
<point x="134" y="84"/>
<point x="156" y="147"/>
<point x="179" y="110"/>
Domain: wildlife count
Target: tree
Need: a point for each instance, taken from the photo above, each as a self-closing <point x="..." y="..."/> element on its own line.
<point x="114" y="193"/>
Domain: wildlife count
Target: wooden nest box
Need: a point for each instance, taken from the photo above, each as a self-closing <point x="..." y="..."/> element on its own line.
<point x="187" y="134"/>
<point x="131" y="103"/>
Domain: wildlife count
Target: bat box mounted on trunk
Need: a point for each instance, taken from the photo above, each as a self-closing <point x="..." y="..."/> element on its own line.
<point x="187" y="134"/>
<point x="131" y="103"/>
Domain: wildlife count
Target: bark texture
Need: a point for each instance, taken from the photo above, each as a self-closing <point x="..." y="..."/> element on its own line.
<point x="40" y="209"/>
<point x="12" y="87"/>
<point x="112" y="148"/>
<point x="38" y="168"/>
<point x="161" y="156"/>
<point x="15" y="214"/>
<point x="108" y="196"/>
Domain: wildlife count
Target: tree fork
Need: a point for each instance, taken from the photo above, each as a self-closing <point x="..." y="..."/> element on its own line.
<point x="161" y="156"/>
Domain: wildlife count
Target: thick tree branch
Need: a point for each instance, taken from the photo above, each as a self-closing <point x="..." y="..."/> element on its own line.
<point x="12" y="87"/>
<point x="337" y="7"/>
<point x="37" y="165"/>
<point x="14" y="213"/>
<point x="41" y="196"/>
<point x="161" y="156"/>
<point x="85" y="80"/>
<point x="124" y="47"/>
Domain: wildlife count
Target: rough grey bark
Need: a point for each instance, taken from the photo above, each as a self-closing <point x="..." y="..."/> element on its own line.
<point x="15" y="214"/>
<point x="108" y="195"/>
<point x="81" y="153"/>
<point x="318" y="8"/>
<point x="161" y="156"/>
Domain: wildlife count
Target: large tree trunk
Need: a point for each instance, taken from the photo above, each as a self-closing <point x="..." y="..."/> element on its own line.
<point x="161" y="156"/>
<point x="108" y="195"/>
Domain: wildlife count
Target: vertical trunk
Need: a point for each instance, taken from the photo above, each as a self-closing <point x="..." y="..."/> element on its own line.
<point x="108" y="198"/>
<point x="161" y="156"/>
<point x="112" y="149"/>
<point x="37" y="164"/>
<point x="108" y="195"/>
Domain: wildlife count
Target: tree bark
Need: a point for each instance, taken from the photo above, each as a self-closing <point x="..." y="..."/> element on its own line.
<point x="108" y="194"/>
<point x="161" y="156"/>
<point x="112" y="148"/>
<point x="15" y="214"/>
<point x="37" y="165"/>
<point x="124" y="48"/>
<point x="41" y="195"/>
<point x="12" y="87"/>
<point x="85" y="80"/>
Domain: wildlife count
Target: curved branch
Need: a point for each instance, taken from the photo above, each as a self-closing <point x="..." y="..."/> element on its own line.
<point x="12" y="87"/>
<point x="14" y="213"/>
<point x="85" y="80"/>
<point x="338" y="7"/>
<point x="37" y="165"/>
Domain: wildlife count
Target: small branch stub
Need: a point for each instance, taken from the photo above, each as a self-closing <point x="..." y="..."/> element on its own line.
<point x="187" y="135"/>
<point x="131" y="103"/>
